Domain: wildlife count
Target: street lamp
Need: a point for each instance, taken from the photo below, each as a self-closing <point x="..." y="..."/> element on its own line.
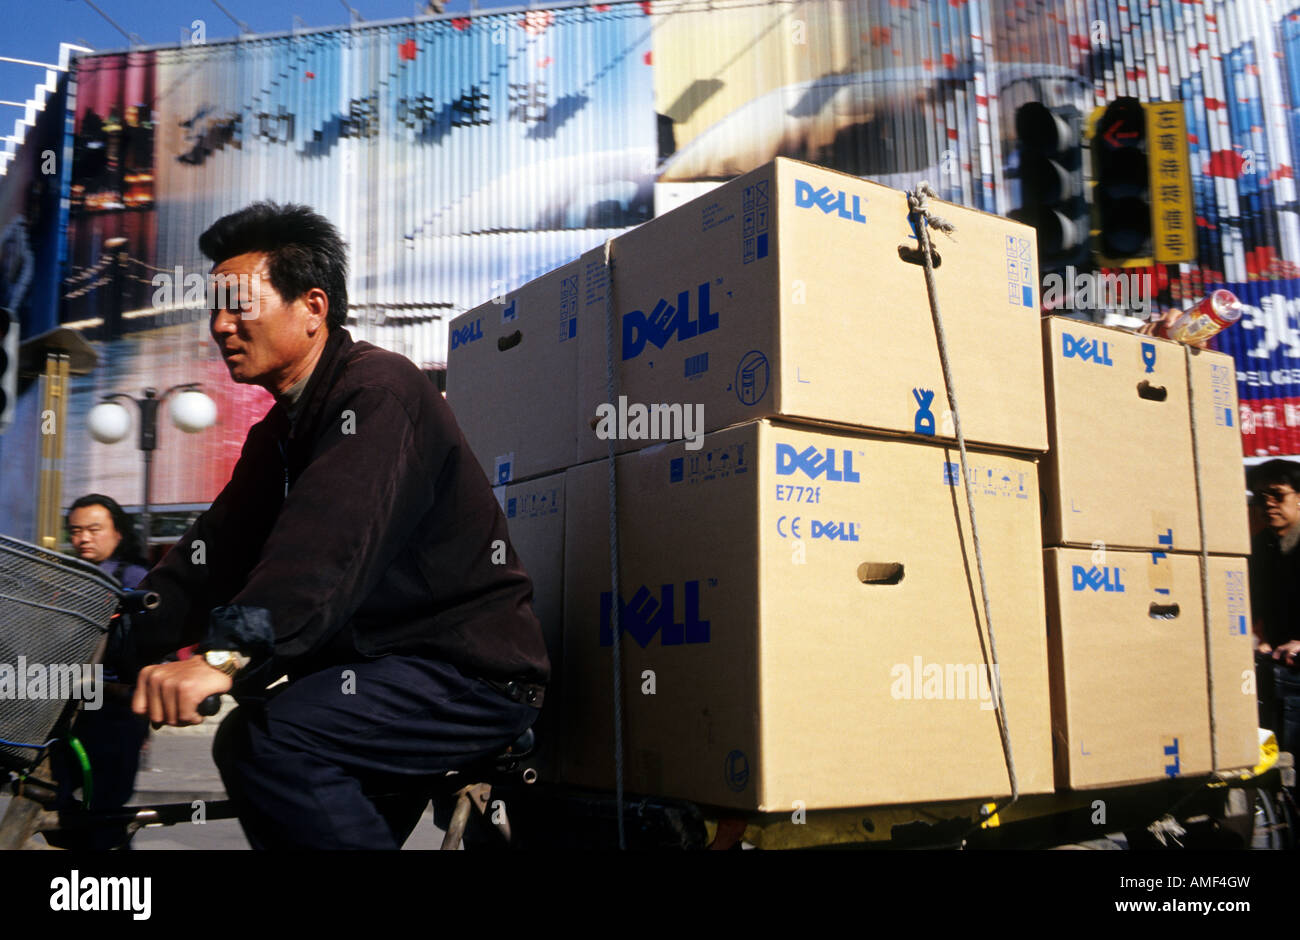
<point x="109" y="422"/>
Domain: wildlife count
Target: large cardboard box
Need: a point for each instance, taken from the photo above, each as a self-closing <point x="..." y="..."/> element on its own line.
<point x="1120" y="470"/>
<point x="1127" y="645"/>
<point x="1218" y="438"/>
<point x="1232" y="663"/>
<point x="535" y="516"/>
<point x="512" y="369"/>
<point x="786" y="292"/>
<point x="799" y="611"/>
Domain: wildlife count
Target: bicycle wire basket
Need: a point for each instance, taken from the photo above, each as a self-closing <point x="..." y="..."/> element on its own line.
<point x="55" y="612"/>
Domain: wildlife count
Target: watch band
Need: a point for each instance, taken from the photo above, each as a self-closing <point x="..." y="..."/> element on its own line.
<point x="232" y="662"/>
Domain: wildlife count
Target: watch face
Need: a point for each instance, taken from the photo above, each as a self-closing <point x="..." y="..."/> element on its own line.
<point x="217" y="657"/>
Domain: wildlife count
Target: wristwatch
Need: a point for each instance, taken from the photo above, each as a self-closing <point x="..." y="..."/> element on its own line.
<point x="228" y="661"/>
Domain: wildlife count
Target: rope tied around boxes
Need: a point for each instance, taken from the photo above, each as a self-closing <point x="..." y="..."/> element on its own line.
<point x="1204" y="563"/>
<point x="918" y="203"/>
<point x="611" y="386"/>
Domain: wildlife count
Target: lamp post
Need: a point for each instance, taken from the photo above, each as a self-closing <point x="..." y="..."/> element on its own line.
<point x="109" y="422"/>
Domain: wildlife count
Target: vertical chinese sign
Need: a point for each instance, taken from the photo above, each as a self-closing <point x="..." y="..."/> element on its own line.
<point x="1172" y="213"/>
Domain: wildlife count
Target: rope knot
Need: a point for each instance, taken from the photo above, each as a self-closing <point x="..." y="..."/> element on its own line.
<point x="918" y="203"/>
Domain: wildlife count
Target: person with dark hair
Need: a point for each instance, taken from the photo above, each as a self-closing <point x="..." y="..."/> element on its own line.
<point x="294" y="247"/>
<point x="111" y="736"/>
<point x="357" y="549"/>
<point x="101" y="533"/>
<point x="1275" y="596"/>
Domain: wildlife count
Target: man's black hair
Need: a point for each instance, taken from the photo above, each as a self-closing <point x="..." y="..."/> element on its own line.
<point x="129" y="548"/>
<point x="304" y="250"/>
<point x="1273" y="472"/>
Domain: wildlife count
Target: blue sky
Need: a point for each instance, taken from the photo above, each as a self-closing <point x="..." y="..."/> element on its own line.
<point x="33" y="29"/>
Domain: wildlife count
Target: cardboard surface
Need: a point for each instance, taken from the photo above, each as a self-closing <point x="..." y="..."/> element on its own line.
<point x="760" y="668"/>
<point x="534" y="513"/>
<point x="1129" y="699"/>
<point x="1218" y="437"/>
<point x="783" y="292"/>
<point x="1232" y="661"/>
<point x="1120" y="470"/>
<point x="512" y="372"/>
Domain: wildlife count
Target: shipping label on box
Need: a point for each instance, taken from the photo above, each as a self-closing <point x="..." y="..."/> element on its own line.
<point x="1232" y="664"/>
<point x="1218" y="438"/>
<point x="789" y="291"/>
<point x="800" y="621"/>
<point x="534" y="513"/>
<point x="1120" y="469"/>
<point x="1021" y="288"/>
<point x="1127" y="647"/>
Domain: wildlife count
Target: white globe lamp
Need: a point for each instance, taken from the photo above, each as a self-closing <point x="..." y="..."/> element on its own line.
<point x="193" y="411"/>
<point x="109" y="422"/>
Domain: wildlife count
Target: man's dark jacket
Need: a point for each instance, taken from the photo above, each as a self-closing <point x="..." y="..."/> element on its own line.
<point x="389" y="539"/>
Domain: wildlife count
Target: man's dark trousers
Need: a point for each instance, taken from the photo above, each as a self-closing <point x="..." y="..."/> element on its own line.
<point x="303" y="764"/>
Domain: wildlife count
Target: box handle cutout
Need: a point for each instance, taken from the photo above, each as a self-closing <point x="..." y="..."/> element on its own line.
<point x="870" y="572"/>
<point x="913" y="255"/>
<point x="511" y="341"/>
<point x="1152" y="392"/>
<point x="1163" y="611"/>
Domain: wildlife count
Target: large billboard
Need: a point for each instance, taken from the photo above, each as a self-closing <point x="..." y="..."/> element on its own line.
<point x="459" y="157"/>
<point x="31" y="238"/>
<point x="463" y="155"/>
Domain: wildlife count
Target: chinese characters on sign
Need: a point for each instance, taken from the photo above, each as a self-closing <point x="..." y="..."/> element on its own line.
<point x="1172" y="214"/>
<point x="528" y="102"/>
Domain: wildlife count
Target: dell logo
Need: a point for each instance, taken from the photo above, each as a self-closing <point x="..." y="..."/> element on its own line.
<point x="667" y="321"/>
<point x="1089" y="350"/>
<point x="835" y="531"/>
<point x="813" y="463"/>
<point x="648" y="614"/>
<point x="828" y="200"/>
<point x="1097" y="579"/>
<point x="467" y="333"/>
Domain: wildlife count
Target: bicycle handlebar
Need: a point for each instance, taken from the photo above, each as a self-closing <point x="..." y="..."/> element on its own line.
<point x="137" y="602"/>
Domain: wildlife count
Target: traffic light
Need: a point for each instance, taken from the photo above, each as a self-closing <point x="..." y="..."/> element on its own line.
<point x="1051" y="183"/>
<point x="1122" y="191"/>
<point x="8" y="367"/>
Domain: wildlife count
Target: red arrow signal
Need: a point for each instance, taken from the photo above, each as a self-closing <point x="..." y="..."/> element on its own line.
<point x="1112" y="135"/>
<point x="1123" y="125"/>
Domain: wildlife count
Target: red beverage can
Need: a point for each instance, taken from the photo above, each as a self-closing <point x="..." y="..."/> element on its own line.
<point x="1209" y="315"/>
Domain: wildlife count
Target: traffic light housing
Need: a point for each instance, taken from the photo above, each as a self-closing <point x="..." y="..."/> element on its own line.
<point x="1051" y="183"/>
<point x="8" y="367"/>
<point x="1121" y="194"/>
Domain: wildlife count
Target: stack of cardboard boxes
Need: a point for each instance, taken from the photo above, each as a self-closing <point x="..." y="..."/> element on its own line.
<point x="800" y="601"/>
<point x="799" y="598"/>
<point x="1122" y="536"/>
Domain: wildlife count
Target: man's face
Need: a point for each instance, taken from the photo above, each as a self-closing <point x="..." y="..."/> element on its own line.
<point x="93" y="535"/>
<point x="263" y="339"/>
<point x="1281" y="506"/>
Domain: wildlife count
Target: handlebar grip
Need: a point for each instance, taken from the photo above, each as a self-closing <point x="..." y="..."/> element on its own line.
<point x="209" y="706"/>
<point x="137" y="602"/>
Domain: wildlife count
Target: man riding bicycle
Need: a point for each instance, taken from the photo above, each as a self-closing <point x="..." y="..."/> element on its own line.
<point x="357" y="549"/>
